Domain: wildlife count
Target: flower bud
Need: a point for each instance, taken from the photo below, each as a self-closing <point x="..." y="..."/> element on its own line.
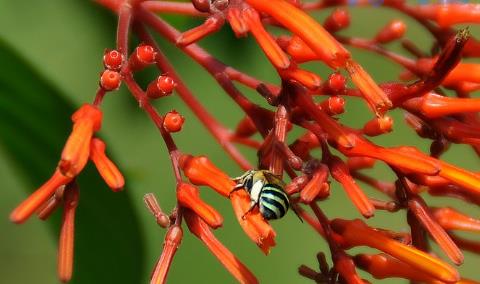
<point x="161" y="87"/>
<point x="143" y="56"/>
<point x="112" y="60"/>
<point x="392" y="31"/>
<point x="110" y="80"/>
<point x="339" y="19"/>
<point x="173" y="121"/>
<point x="86" y="120"/>
<point x="333" y="105"/>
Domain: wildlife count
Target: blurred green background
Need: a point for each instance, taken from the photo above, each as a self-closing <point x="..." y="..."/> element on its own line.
<point x="50" y="58"/>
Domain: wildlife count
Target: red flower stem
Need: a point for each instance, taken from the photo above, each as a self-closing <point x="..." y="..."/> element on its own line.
<point x="218" y="131"/>
<point x="246" y="142"/>
<point x="166" y="7"/>
<point x="413" y="49"/>
<point x="247" y="80"/>
<point x="157" y="119"/>
<point x="387" y="188"/>
<point x="335" y="131"/>
<point x="216" y="68"/>
<point x="123" y="27"/>
<point x="210" y="63"/>
<point x="99" y="96"/>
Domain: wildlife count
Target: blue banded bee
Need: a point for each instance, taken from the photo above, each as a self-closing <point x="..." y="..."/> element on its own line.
<point x="266" y="191"/>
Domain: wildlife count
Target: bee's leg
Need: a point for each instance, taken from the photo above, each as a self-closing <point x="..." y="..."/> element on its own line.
<point x="239" y="178"/>
<point x="253" y="204"/>
<point x="296" y="213"/>
<point x="235" y="188"/>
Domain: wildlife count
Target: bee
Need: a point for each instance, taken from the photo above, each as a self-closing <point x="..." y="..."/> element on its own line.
<point x="266" y="191"/>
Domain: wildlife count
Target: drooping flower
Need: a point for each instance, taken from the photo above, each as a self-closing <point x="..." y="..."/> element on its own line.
<point x="200" y="171"/>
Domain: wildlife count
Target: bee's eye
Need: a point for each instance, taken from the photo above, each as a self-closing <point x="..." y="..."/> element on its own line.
<point x="249" y="183"/>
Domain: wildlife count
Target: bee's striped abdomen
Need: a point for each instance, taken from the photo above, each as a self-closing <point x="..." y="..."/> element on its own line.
<point x="273" y="202"/>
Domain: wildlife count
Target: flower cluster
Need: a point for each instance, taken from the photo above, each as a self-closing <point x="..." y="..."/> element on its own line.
<point x="305" y="101"/>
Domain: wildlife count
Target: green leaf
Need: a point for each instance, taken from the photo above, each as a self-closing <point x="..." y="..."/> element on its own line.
<point x="34" y="123"/>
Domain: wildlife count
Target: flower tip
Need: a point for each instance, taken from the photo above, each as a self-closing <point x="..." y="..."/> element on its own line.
<point x="189" y="196"/>
<point x="107" y="169"/>
<point x="23" y="211"/>
<point x="201" y="171"/>
<point x="16" y="218"/>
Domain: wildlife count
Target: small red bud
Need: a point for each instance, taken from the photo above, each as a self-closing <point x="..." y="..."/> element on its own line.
<point x="392" y="31"/>
<point x="161" y="87"/>
<point x="110" y="80"/>
<point x="338" y="20"/>
<point x="173" y="121"/>
<point x="333" y="105"/>
<point x="112" y="60"/>
<point x="337" y="82"/>
<point x="142" y="56"/>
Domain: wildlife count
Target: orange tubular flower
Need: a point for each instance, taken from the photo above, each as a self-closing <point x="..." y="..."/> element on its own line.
<point x="462" y="73"/>
<point x="451" y="219"/>
<point x="107" y="169"/>
<point x="298" y="49"/>
<point x="317" y="187"/>
<point x="305" y="27"/>
<point x="357" y="233"/>
<point x="453" y="13"/>
<point x="201" y="230"/>
<point x="173" y="238"/>
<point x="237" y="23"/>
<point x="189" y="196"/>
<point x="86" y="120"/>
<point x="67" y="233"/>
<point x="308" y="79"/>
<point x="406" y="158"/>
<point x="200" y="171"/>
<point x="376" y="98"/>
<point x="383" y="266"/>
<point x="340" y="172"/>
<point x="432" y="105"/>
<point x="38" y="198"/>
<point x="274" y="53"/>
<point x="211" y="25"/>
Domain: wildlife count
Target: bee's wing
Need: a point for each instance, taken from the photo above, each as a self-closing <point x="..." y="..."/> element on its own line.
<point x="273" y="179"/>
